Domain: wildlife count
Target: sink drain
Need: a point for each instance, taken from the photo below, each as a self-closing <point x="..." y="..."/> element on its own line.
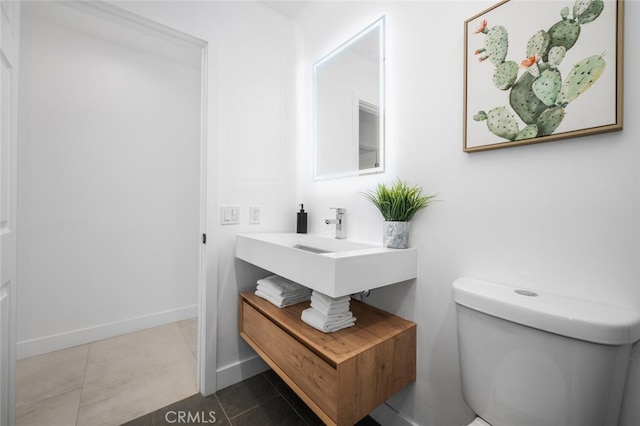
<point x="526" y="293"/>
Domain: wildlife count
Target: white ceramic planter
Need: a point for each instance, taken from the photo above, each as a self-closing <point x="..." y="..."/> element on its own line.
<point x="396" y="234"/>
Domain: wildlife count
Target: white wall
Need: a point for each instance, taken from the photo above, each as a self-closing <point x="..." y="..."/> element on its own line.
<point x="561" y="216"/>
<point x="257" y="153"/>
<point x="109" y="156"/>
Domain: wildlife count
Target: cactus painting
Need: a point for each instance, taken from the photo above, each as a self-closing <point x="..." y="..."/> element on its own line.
<point x="537" y="71"/>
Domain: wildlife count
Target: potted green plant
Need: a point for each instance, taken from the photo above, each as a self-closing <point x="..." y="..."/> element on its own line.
<point x="398" y="204"/>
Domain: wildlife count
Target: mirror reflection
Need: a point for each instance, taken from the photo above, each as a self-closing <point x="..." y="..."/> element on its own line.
<point x="349" y="106"/>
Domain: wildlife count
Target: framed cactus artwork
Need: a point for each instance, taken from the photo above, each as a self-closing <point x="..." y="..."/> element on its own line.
<point x="539" y="71"/>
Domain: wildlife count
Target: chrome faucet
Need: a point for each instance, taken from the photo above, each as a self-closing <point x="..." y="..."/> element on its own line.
<point x="341" y="232"/>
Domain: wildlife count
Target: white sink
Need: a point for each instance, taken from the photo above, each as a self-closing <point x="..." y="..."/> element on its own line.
<point x="331" y="266"/>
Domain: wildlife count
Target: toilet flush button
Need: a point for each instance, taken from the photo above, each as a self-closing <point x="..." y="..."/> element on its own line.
<point x="526" y="293"/>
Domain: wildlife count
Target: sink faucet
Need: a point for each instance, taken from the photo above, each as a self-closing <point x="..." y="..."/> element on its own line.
<point x="341" y="232"/>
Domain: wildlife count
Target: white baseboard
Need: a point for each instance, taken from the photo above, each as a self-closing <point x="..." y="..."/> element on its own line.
<point x="239" y="371"/>
<point x="43" y="345"/>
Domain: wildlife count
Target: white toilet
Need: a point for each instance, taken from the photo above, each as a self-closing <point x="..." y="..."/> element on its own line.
<point x="541" y="359"/>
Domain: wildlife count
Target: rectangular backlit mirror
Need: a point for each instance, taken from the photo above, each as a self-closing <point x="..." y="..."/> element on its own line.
<point x="349" y="107"/>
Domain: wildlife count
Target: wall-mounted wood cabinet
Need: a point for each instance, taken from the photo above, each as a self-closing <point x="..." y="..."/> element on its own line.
<point x="341" y="376"/>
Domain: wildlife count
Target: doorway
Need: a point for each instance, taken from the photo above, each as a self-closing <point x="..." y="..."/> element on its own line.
<point x="110" y="176"/>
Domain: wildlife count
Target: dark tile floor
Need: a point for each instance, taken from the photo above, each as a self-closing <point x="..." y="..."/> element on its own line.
<point x="261" y="400"/>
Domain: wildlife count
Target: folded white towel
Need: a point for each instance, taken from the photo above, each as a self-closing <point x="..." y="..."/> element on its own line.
<point x="328" y="299"/>
<point x="329" y="310"/>
<point x="320" y="322"/>
<point x="282" y="301"/>
<point x="290" y="294"/>
<point x="323" y="301"/>
<point x="279" y="285"/>
<point x="337" y="317"/>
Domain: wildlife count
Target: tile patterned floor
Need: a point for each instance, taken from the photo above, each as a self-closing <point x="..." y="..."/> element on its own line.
<point x="262" y="400"/>
<point x="109" y="382"/>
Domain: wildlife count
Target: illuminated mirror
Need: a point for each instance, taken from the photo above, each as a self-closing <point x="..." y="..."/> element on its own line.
<point x="349" y="107"/>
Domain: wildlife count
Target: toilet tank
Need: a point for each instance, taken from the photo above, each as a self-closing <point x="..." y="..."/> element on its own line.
<point x="536" y="359"/>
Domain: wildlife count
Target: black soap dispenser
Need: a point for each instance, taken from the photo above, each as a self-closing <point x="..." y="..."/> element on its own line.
<point x="302" y="221"/>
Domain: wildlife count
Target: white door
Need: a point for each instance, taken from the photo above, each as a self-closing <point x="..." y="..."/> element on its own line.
<point x="9" y="23"/>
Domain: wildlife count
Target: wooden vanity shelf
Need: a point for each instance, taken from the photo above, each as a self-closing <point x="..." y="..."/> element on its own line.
<point x="341" y="376"/>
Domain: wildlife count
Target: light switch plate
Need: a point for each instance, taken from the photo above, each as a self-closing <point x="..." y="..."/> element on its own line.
<point x="229" y="215"/>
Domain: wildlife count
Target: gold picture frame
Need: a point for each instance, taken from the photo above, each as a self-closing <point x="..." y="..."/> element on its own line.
<point x="541" y="71"/>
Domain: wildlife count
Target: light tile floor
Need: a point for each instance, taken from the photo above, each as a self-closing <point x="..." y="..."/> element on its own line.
<point x="109" y="382"/>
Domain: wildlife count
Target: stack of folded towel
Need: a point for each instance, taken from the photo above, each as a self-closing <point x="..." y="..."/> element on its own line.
<point x="281" y="291"/>
<point x="328" y="314"/>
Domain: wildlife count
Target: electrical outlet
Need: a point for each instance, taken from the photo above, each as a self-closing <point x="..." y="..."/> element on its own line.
<point x="254" y="215"/>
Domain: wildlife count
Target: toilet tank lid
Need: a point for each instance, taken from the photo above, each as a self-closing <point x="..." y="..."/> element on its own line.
<point x="568" y="316"/>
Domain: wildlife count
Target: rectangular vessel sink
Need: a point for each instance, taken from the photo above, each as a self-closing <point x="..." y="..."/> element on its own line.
<point x="331" y="266"/>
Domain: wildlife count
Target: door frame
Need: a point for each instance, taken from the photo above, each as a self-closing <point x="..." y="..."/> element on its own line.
<point x="208" y="284"/>
<point x="9" y="60"/>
